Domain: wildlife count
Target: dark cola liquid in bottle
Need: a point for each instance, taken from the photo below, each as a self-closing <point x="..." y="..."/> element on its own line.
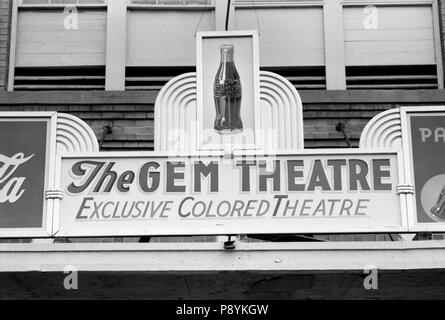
<point x="227" y="94"/>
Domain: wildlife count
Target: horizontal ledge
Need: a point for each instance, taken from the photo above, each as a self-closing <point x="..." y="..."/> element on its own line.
<point x="149" y="97"/>
<point x="389" y="86"/>
<point x="282" y="4"/>
<point x="208" y="257"/>
<point x="34" y="78"/>
<point x="392" y="77"/>
<point x="359" y="3"/>
<point x="218" y="246"/>
<point x="139" y="79"/>
<point x="58" y="6"/>
<point x="77" y="97"/>
<point x="136" y="88"/>
<point x="373" y="96"/>
<point x="54" y="87"/>
<point x="184" y="7"/>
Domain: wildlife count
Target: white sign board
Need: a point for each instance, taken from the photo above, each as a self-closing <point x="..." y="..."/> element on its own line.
<point x="153" y="194"/>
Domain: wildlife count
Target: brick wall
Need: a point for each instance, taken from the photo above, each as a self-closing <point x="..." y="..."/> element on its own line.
<point x="131" y="114"/>
<point x="132" y="121"/>
<point x="4" y="41"/>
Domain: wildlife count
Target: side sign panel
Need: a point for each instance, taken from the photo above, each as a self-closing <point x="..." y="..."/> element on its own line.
<point x="426" y="156"/>
<point x="24" y="175"/>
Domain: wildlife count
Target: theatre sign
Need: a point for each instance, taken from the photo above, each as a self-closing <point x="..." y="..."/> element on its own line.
<point x="285" y="193"/>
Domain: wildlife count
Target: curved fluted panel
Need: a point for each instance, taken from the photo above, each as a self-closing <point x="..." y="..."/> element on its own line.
<point x="281" y="114"/>
<point x="74" y="135"/>
<point x="175" y="115"/>
<point x="384" y="131"/>
<point x="280" y="99"/>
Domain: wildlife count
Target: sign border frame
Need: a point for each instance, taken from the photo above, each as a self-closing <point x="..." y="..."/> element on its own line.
<point x="405" y="113"/>
<point x="48" y="204"/>
<point x="403" y="228"/>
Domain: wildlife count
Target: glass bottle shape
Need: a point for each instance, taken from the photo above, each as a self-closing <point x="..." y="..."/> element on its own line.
<point x="438" y="210"/>
<point x="227" y="91"/>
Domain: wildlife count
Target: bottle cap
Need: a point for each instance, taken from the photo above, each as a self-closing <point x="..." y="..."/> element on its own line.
<point x="226" y="47"/>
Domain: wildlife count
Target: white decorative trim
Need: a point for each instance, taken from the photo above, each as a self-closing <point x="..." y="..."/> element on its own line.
<point x="384" y="131"/>
<point x="74" y="135"/>
<point x="176" y="114"/>
<point x="281" y="102"/>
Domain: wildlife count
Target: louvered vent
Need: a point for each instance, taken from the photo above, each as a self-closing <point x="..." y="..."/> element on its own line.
<point x="392" y="77"/>
<point x="305" y="78"/>
<point x="57" y="78"/>
<point x="152" y="78"/>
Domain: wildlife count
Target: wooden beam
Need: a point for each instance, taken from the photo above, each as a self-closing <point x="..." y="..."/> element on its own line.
<point x="368" y="97"/>
<point x="116" y="49"/>
<point x="334" y="45"/>
<point x="438" y="44"/>
<point x="206" y="257"/>
<point x="12" y="45"/>
<point x="77" y="97"/>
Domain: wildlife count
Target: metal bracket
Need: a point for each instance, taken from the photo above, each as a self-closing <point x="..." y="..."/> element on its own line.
<point x="53" y="194"/>
<point x="229" y="244"/>
<point x="405" y="189"/>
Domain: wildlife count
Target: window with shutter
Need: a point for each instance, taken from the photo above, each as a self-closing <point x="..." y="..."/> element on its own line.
<point x="161" y="40"/>
<point x="55" y="53"/>
<point x="291" y="39"/>
<point x="396" y="51"/>
<point x="141" y="44"/>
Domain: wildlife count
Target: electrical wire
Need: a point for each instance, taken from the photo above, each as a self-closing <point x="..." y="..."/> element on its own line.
<point x="227" y="14"/>
<point x="257" y="19"/>
<point x="202" y="15"/>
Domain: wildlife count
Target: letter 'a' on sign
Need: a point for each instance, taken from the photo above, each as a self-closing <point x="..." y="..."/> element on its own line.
<point x="27" y="153"/>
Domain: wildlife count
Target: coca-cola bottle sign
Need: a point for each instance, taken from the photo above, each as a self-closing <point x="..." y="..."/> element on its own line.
<point x="227" y="91"/>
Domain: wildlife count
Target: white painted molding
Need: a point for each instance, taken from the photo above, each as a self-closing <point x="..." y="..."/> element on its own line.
<point x="176" y="114"/>
<point x="74" y="135"/>
<point x="204" y="257"/>
<point x="384" y="131"/>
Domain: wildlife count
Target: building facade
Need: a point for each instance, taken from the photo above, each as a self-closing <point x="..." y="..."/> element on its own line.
<point x="105" y="61"/>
